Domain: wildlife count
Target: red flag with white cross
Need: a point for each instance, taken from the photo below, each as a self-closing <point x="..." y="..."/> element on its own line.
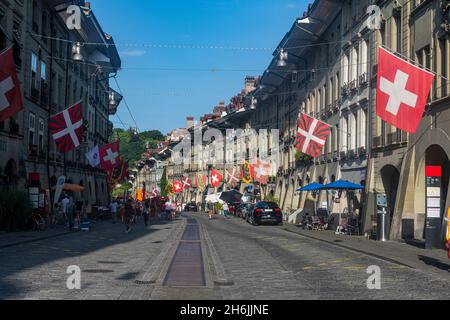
<point x="402" y="91"/>
<point x="10" y="93"/>
<point x="186" y="183"/>
<point x="67" y="129"/>
<point x="262" y="171"/>
<point x="109" y="156"/>
<point x="177" y="187"/>
<point x="216" y="178"/>
<point x="312" y="135"/>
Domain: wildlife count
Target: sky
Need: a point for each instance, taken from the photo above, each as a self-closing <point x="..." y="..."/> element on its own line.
<point x="164" y="85"/>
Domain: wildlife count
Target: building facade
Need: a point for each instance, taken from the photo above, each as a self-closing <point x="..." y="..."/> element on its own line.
<point x="53" y="78"/>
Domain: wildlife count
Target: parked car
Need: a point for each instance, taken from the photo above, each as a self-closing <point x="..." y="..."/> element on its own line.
<point x="265" y="212"/>
<point x="191" y="207"/>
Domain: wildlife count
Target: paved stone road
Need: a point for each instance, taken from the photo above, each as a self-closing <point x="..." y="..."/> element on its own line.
<point x="240" y="262"/>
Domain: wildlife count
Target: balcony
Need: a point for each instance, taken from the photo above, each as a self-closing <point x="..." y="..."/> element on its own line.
<point x="363" y="79"/>
<point x="353" y="85"/>
<point x="362" y="151"/>
<point x="343" y="155"/>
<point x="345" y="90"/>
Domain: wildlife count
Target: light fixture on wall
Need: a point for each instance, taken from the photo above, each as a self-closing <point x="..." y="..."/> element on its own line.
<point x="282" y="58"/>
<point x="254" y="103"/>
<point x="76" y="51"/>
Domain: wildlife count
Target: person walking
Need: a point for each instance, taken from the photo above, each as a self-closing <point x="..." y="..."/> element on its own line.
<point x="167" y="209"/>
<point x="70" y="213"/>
<point x="173" y="210"/>
<point x="146" y="211"/>
<point x="114" y="207"/>
<point x="225" y="210"/>
<point x="210" y="208"/>
<point x="64" y="202"/>
<point x="129" y="213"/>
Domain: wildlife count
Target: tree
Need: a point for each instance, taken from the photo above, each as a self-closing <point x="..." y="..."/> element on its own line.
<point x="163" y="184"/>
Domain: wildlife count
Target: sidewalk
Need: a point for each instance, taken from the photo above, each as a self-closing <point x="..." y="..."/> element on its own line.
<point x="430" y="261"/>
<point x="11" y="239"/>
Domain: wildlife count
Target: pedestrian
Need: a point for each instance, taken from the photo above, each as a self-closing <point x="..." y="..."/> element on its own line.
<point x="167" y="209"/>
<point x="129" y="213"/>
<point x="146" y="211"/>
<point x="173" y="210"/>
<point x="70" y="212"/>
<point x="210" y="208"/>
<point x="64" y="202"/>
<point x="447" y="247"/>
<point x="114" y="207"/>
<point x="225" y="210"/>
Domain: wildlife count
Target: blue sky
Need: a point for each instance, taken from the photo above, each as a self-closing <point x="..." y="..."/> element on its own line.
<point x="159" y="92"/>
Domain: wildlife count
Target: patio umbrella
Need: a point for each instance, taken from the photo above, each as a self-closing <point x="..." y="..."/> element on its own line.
<point x="232" y="196"/>
<point x="342" y="185"/>
<point x="213" y="198"/>
<point x="72" y="187"/>
<point x="312" y="187"/>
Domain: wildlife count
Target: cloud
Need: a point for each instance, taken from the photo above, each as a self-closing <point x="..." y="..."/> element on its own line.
<point x="133" y="53"/>
<point x="291" y="6"/>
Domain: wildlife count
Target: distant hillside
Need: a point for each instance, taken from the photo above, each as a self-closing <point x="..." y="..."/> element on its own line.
<point x="133" y="146"/>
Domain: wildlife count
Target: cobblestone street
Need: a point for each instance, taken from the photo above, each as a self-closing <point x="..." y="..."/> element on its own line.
<point x="237" y="261"/>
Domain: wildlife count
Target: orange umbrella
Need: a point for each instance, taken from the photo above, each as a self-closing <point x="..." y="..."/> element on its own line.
<point x="72" y="187"/>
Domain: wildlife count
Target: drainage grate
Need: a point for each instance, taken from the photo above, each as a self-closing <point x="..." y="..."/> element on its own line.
<point x="144" y="283"/>
<point x="98" y="271"/>
<point x="186" y="268"/>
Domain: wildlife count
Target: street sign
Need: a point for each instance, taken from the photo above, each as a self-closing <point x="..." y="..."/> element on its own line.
<point x="433" y="176"/>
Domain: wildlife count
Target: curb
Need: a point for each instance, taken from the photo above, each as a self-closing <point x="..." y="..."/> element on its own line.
<point x="371" y="254"/>
<point x="38" y="239"/>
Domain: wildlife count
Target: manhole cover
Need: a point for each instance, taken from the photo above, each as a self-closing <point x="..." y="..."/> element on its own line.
<point x="141" y="282"/>
<point x="223" y="282"/>
<point x="98" y="271"/>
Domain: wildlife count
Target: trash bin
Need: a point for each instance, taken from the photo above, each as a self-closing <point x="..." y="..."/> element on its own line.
<point x="383" y="224"/>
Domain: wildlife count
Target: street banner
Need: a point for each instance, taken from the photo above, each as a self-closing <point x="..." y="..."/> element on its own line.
<point x="59" y="188"/>
<point x="67" y="129"/>
<point x="216" y="178"/>
<point x="186" y="183"/>
<point x="262" y="170"/>
<point x="402" y="91"/>
<point x="170" y="192"/>
<point x="93" y="156"/>
<point x="246" y="172"/>
<point x="201" y="182"/>
<point x="232" y="177"/>
<point x="10" y="94"/>
<point x="312" y="134"/>
<point x="109" y="156"/>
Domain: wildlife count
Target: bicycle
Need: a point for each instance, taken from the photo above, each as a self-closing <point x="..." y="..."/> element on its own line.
<point x="39" y="223"/>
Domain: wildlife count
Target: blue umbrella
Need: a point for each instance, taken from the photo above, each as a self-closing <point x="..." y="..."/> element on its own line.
<point x="312" y="187"/>
<point x="342" y="185"/>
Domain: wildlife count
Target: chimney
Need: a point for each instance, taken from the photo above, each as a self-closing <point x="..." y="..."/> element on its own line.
<point x="189" y="122"/>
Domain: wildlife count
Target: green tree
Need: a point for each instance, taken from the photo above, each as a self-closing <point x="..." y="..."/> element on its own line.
<point x="163" y="184"/>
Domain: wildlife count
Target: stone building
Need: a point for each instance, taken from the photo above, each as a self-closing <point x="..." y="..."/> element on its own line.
<point x="54" y="78"/>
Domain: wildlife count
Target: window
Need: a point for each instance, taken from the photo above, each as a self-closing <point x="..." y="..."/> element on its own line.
<point x="363" y="128"/>
<point x="31" y="128"/>
<point x="354" y="63"/>
<point x="345" y="65"/>
<point x="41" y="135"/>
<point x="43" y="78"/>
<point x="34" y="72"/>
<point x="35" y="18"/>
<point x="363" y="58"/>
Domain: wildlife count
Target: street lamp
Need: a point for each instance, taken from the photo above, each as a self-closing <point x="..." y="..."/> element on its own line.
<point x="76" y="51"/>
<point x="283" y="57"/>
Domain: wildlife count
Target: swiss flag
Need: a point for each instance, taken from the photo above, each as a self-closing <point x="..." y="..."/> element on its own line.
<point x="66" y="128"/>
<point x="187" y="183"/>
<point x="216" y="178"/>
<point x="109" y="156"/>
<point x="10" y="94"/>
<point x="402" y="91"/>
<point x="312" y="134"/>
<point x="177" y="187"/>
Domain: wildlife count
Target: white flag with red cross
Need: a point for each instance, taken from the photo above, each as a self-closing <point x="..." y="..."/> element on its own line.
<point x="402" y="91"/>
<point x="109" y="156"/>
<point x="10" y="93"/>
<point x="312" y="134"/>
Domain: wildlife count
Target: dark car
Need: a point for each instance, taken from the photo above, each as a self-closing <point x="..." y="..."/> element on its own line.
<point x="191" y="206"/>
<point x="265" y="212"/>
